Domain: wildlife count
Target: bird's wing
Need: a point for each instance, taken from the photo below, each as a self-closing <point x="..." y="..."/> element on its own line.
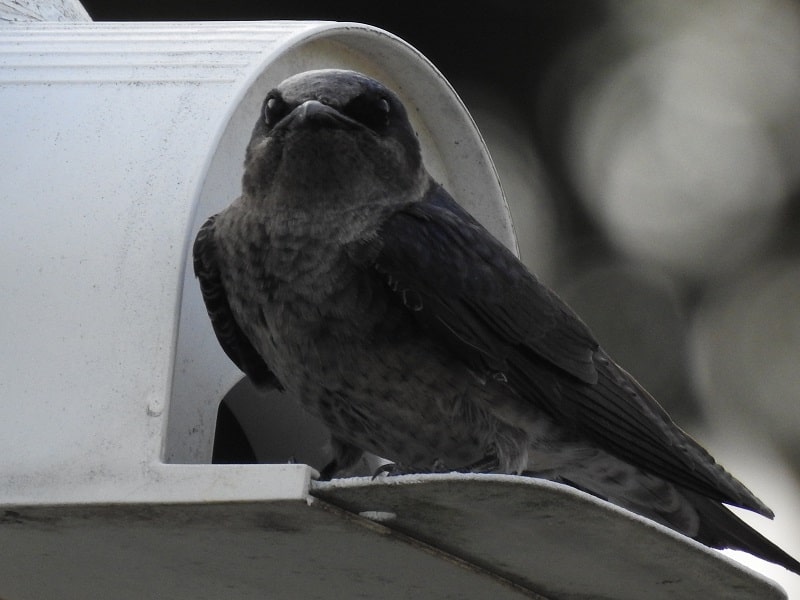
<point x="466" y="286"/>
<point x="230" y="335"/>
<point x="476" y="297"/>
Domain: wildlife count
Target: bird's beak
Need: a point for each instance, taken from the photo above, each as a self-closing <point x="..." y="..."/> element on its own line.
<point x="310" y="108"/>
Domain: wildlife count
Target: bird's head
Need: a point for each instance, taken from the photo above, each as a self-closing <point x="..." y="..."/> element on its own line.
<point x="332" y="139"/>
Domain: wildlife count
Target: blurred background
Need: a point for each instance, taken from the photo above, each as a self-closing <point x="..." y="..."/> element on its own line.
<point x="649" y="152"/>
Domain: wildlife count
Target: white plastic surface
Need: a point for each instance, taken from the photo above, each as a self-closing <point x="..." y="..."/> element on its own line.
<point x="247" y="551"/>
<point x="438" y="537"/>
<point x="549" y="538"/>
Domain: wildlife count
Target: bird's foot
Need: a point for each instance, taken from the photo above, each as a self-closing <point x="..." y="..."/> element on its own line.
<point x="328" y="471"/>
<point x="385" y="470"/>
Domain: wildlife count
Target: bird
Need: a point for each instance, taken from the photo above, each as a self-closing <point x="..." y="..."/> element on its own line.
<point x="346" y="275"/>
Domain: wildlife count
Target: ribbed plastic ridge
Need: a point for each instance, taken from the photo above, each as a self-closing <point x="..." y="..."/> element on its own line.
<point x="144" y="53"/>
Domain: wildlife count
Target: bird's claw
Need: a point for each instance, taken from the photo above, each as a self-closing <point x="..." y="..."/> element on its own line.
<point x="384" y="469"/>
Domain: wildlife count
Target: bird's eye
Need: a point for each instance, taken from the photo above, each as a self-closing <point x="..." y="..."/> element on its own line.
<point x="383" y="106"/>
<point x="274" y="110"/>
<point x="374" y="112"/>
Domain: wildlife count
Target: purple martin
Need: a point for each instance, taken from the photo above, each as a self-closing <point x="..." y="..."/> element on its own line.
<point x="347" y="276"/>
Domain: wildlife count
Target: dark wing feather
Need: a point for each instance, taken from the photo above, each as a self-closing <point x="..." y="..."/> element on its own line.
<point x="475" y="296"/>
<point x="463" y="283"/>
<point x="230" y="335"/>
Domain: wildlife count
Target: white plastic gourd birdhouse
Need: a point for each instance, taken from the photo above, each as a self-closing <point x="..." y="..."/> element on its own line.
<point x="118" y="141"/>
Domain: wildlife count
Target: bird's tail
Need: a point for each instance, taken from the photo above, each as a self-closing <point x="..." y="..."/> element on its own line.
<point x="721" y="528"/>
<point x="697" y="516"/>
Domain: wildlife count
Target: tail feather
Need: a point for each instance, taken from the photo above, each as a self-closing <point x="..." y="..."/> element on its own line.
<point x="688" y="512"/>
<point x="721" y="528"/>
